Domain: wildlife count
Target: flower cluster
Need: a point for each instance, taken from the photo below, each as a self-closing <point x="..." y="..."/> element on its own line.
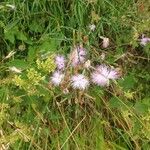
<point x="48" y="65"/>
<point x="101" y="75"/>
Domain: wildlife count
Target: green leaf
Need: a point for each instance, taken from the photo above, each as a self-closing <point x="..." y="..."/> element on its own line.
<point x="10" y="36"/>
<point x="10" y="33"/>
<point x="21" y="36"/>
<point x="115" y="103"/>
<point x="127" y="83"/>
<point x="31" y="53"/>
<point x="142" y="106"/>
<point x="49" y="44"/>
<point x="97" y="92"/>
<point x="18" y="63"/>
<point x="36" y="26"/>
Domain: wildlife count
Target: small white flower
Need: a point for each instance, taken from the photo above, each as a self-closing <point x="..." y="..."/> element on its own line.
<point x="92" y="27"/>
<point x="14" y="69"/>
<point x="57" y="78"/>
<point x="79" y="81"/>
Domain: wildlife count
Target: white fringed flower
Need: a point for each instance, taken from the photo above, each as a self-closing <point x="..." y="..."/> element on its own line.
<point x="57" y="78"/>
<point x="79" y="81"/>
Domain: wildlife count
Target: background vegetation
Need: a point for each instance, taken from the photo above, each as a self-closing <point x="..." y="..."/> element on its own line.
<point x="34" y="115"/>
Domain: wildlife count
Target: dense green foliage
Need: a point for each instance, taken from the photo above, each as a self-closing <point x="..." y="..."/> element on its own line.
<point x="37" y="115"/>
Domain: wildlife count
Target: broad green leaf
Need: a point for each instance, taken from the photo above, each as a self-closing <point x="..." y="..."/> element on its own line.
<point x="10" y="36"/>
<point x="49" y="45"/>
<point x="10" y="33"/>
<point x="21" y="36"/>
<point x="127" y="83"/>
<point x="18" y="63"/>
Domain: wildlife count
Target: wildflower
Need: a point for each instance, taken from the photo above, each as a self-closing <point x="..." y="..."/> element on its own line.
<point x="57" y="78"/>
<point x="18" y="81"/>
<point x="78" y="56"/>
<point x="34" y="76"/>
<point x="47" y="65"/>
<point x="92" y="27"/>
<point x="60" y="62"/>
<point x="105" y="42"/>
<point x="144" y="40"/>
<point x="79" y="81"/>
<point x="14" y="69"/>
<point x="102" y="74"/>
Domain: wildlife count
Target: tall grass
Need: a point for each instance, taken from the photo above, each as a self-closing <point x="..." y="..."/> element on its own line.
<point x="43" y="117"/>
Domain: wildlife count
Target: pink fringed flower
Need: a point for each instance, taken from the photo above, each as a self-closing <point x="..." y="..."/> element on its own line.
<point x="78" y="56"/>
<point x="60" y="62"/>
<point x="57" y="78"/>
<point x="144" y="41"/>
<point x="79" y="81"/>
<point x="102" y="74"/>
